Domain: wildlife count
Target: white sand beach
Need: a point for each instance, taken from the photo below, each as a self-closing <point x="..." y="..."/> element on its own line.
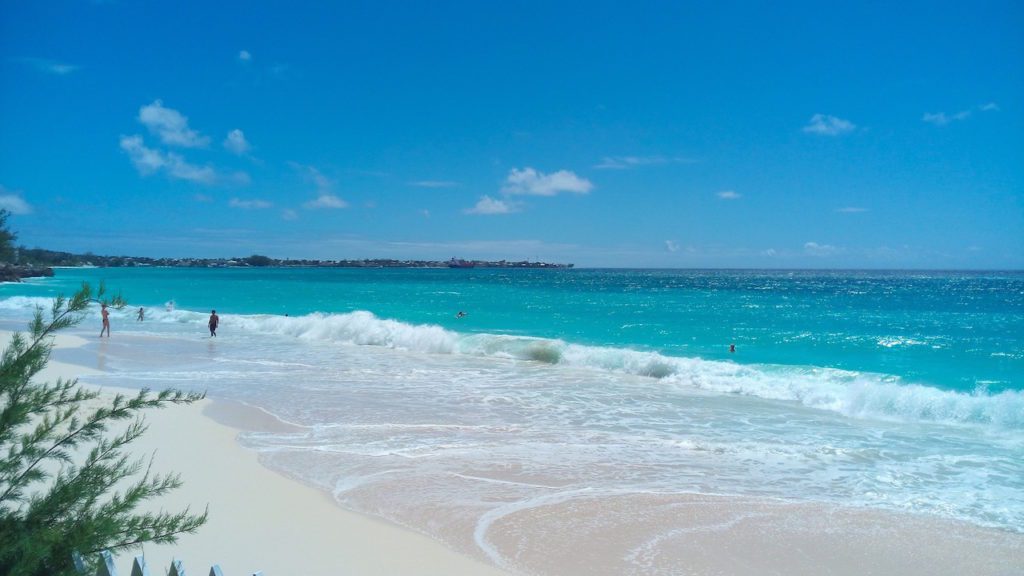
<point x="259" y="520"/>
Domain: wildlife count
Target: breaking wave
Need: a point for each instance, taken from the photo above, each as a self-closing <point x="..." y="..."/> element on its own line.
<point x="853" y="394"/>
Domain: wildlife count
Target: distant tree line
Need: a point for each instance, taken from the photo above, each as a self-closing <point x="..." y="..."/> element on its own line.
<point x="23" y="261"/>
<point x="43" y="257"/>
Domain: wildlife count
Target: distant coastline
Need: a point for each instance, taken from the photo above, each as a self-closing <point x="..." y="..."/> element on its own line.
<point x="48" y="258"/>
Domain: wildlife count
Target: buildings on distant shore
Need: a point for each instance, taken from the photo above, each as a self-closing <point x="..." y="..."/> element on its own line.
<point x="40" y="257"/>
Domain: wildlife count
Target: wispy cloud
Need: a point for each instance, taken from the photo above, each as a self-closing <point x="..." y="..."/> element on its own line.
<point x="434" y="184"/>
<point x="325" y="196"/>
<point x="825" y="125"/>
<point x="254" y="204"/>
<point x="289" y="214"/>
<point x="326" y="201"/>
<point x="533" y="183"/>
<point x="236" y="142"/>
<point x="202" y="198"/>
<point x="49" y="66"/>
<point x="729" y="195"/>
<point x="312" y="174"/>
<point x="671" y="246"/>
<point x="851" y="210"/>
<point x="942" y="119"/>
<point x="148" y="161"/>
<point x="244" y="55"/>
<point x="170" y="126"/>
<point x="489" y="206"/>
<point x="12" y="201"/>
<point x="815" y="249"/>
<point x="627" y="162"/>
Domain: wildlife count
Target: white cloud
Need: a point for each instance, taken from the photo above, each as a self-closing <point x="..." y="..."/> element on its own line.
<point x="826" y="125"/>
<point x="488" y="205"/>
<point x="12" y="201"/>
<point x="851" y="210"/>
<point x="50" y="66"/>
<point x="815" y="249"/>
<point x="170" y="125"/>
<point x="671" y="246"/>
<point x="148" y="161"/>
<point x="324" y="188"/>
<point x="244" y="56"/>
<point x="182" y="170"/>
<point x="626" y="162"/>
<point x="236" y="142"/>
<point x="729" y="195"/>
<point x="434" y="184"/>
<point x="533" y="183"/>
<point x="941" y="118"/>
<point x="770" y="252"/>
<point x="326" y="201"/>
<point x="249" y="204"/>
<point x="289" y="214"/>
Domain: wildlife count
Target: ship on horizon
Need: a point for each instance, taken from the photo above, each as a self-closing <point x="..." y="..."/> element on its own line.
<point x="460" y="263"/>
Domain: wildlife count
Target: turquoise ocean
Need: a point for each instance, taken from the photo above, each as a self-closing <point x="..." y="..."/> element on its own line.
<point x="897" y="391"/>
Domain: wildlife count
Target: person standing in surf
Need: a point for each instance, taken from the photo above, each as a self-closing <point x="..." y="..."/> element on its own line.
<point x="214" y="321"/>
<point x="106" y="320"/>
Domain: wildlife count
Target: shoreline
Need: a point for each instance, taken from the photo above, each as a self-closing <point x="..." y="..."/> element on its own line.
<point x="261" y="519"/>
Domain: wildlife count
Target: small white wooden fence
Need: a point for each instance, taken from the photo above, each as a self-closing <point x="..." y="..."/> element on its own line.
<point x="106" y="567"/>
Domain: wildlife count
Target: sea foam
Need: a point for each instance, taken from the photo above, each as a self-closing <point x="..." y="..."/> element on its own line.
<point x="851" y="393"/>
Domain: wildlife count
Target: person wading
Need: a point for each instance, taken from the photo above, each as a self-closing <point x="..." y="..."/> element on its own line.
<point x="214" y="321"/>
<point x="106" y="321"/>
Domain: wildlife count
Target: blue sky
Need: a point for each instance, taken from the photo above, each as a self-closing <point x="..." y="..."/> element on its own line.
<point x="662" y="134"/>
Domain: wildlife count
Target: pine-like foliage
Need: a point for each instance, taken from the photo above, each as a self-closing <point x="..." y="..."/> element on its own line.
<point x="7" y="237"/>
<point x="66" y="482"/>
